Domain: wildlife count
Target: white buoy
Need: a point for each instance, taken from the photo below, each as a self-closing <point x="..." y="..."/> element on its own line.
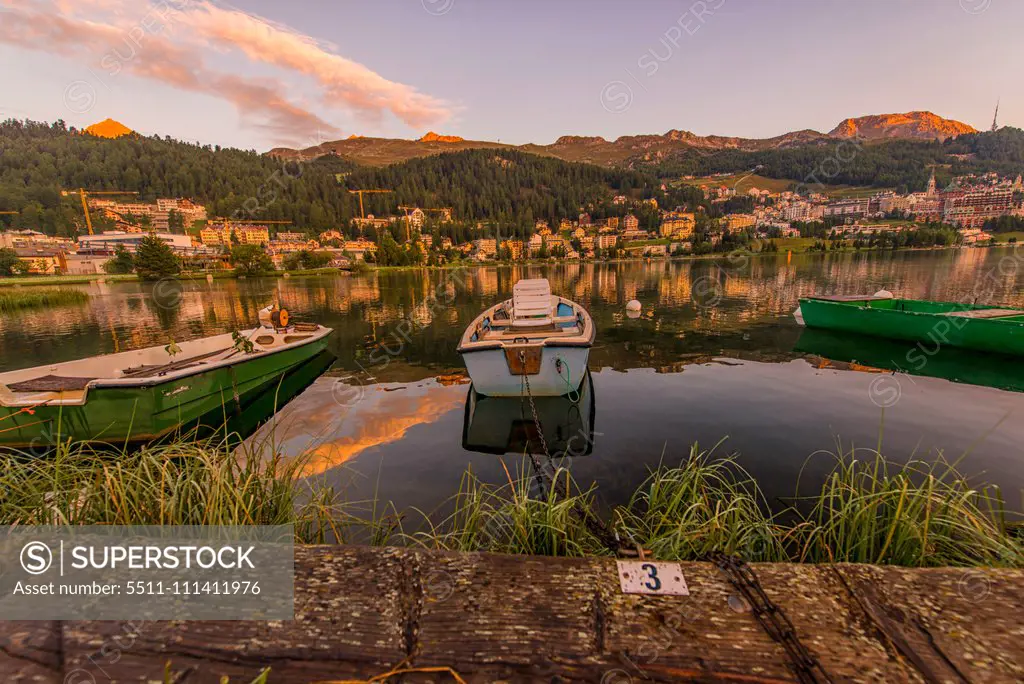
<point x="885" y="294"/>
<point x="633" y="305"/>
<point x="632" y="313"/>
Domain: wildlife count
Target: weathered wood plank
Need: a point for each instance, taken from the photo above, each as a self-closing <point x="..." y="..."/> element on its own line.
<point x="361" y="612"/>
<point x="30" y="652"/>
<point x="963" y="625"/>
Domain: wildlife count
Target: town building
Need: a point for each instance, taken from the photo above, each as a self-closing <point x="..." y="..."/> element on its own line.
<point x="372" y="222"/>
<point x="219" y="234"/>
<point x="739" y="221"/>
<point x="415" y="218"/>
<point x="630" y="222"/>
<point x="42" y="260"/>
<point x="486" y="247"/>
<point x="360" y="248"/>
<point x="850" y="208"/>
<point x="677" y="224"/>
<point x="973" y="208"/>
<point x="128" y="215"/>
<point x="108" y="242"/>
<point x="514" y="247"/>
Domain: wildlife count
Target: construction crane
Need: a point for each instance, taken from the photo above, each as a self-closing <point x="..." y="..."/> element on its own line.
<point x="362" y="213"/>
<point x="254" y="222"/>
<point x="447" y="211"/>
<point x="83" y="194"/>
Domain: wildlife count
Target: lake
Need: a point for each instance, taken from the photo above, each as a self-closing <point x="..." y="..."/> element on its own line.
<point x="715" y="358"/>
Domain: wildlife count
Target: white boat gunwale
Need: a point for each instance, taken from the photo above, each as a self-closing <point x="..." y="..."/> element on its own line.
<point x="223" y="347"/>
<point x="536" y="337"/>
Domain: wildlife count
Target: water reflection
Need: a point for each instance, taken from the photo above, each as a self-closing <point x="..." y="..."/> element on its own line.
<point x="734" y="365"/>
<point x="752" y="297"/>
<point x="872" y="354"/>
<point x="502" y="425"/>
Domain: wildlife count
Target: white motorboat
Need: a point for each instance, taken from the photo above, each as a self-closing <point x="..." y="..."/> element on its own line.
<point x="535" y="342"/>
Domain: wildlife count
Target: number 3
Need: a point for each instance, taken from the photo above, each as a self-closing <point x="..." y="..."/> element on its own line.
<point x="652" y="572"/>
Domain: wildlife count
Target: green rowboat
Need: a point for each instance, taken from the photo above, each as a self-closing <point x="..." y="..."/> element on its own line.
<point x="141" y="395"/>
<point x="930" y="324"/>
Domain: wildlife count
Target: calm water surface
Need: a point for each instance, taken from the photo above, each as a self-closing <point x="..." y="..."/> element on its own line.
<point x="715" y="358"/>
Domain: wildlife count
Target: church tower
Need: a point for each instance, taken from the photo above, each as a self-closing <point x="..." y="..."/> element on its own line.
<point x="995" y="116"/>
<point x="931" y="184"/>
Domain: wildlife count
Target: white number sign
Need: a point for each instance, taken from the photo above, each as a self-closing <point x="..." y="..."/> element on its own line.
<point x="652" y="577"/>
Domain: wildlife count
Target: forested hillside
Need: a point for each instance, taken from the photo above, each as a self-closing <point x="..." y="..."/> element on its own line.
<point x="502" y="187"/>
<point x="38" y="160"/>
<point x="901" y="164"/>
<point x="506" y="186"/>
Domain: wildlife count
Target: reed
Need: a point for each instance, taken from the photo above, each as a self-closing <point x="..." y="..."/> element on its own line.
<point x="185" y="481"/>
<point x="14" y="300"/>
<point x="522" y="516"/>
<point x="916" y="514"/>
<point x="703" y="505"/>
<point x="867" y="510"/>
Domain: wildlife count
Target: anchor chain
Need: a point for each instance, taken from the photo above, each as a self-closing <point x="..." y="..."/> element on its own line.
<point x="593" y="523"/>
<point x="771" y="618"/>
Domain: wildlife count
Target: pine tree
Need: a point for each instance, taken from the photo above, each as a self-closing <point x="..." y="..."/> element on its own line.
<point x="121" y="263"/>
<point x="154" y="259"/>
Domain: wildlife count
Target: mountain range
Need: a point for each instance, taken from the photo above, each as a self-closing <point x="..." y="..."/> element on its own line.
<point x="631" y="150"/>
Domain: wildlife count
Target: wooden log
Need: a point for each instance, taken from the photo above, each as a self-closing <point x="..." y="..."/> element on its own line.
<point x="360" y="612"/>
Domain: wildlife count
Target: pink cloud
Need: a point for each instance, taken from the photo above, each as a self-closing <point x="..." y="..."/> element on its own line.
<point x="344" y="82"/>
<point x="165" y="44"/>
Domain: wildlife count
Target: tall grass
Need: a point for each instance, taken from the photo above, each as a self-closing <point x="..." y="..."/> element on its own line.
<point x="181" y="482"/>
<point x="866" y="511"/>
<point x="521" y="516"/>
<point x="704" y="504"/>
<point x="13" y="300"/>
<point x="916" y="514"/>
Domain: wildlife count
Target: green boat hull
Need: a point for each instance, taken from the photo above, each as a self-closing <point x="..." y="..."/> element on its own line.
<point x="120" y="415"/>
<point x="926" y="323"/>
<point x="948" y="363"/>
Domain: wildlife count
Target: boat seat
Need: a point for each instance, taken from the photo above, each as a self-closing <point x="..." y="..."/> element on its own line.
<point x="148" y="371"/>
<point x="51" y="383"/>
<point x="531" y="303"/>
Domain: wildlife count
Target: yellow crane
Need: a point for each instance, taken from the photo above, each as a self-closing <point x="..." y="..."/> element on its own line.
<point x="362" y="213"/>
<point x="447" y="211"/>
<point x="254" y="222"/>
<point x="84" y="194"/>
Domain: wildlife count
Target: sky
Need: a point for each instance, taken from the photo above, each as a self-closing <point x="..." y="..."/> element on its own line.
<point x="264" y="73"/>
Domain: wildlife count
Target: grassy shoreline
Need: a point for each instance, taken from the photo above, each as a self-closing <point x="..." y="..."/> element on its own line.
<point x="29" y="281"/>
<point x="866" y="511"/>
<point x="18" y="300"/>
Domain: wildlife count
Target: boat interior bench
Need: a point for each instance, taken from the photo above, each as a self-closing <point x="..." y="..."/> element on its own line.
<point x="145" y="371"/>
